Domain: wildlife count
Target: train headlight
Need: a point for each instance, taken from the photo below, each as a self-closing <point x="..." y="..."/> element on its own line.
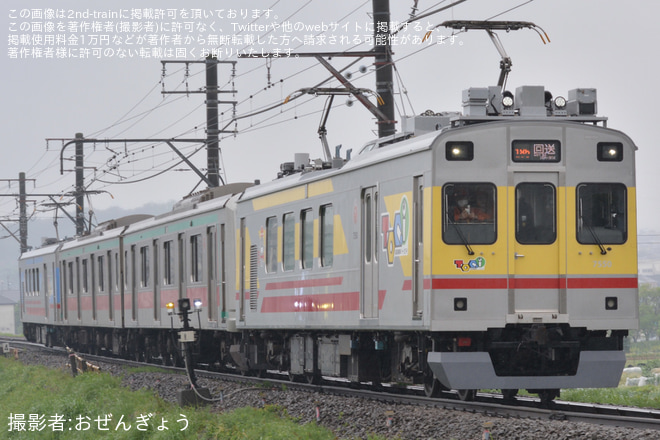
<point x="198" y="303"/>
<point x="460" y="304"/>
<point x="611" y="303"/>
<point x="459" y="151"/>
<point x="507" y="100"/>
<point x="560" y="103"/>
<point x="609" y="152"/>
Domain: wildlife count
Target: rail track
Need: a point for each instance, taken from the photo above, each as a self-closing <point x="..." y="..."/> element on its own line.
<point x="489" y="404"/>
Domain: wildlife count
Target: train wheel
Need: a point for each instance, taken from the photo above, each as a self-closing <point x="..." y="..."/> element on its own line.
<point x="509" y="394"/>
<point x="432" y="386"/>
<point x="467" y="395"/>
<point x="294" y="377"/>
<point x="547" y="396"/>
<point x="313" y="379"/>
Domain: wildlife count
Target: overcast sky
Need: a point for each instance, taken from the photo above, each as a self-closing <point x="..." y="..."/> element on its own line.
<point x="605" y="44"/>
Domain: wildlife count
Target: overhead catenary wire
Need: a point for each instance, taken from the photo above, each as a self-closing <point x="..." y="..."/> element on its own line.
<point x="266" y="122"/>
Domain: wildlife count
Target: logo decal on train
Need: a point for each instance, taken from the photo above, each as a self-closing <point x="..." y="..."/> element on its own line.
<point x="395" y="232"/>
<point x="478" y="263"/>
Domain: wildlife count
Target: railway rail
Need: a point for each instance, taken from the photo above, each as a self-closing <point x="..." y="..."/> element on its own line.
<point x="487" y="404"/>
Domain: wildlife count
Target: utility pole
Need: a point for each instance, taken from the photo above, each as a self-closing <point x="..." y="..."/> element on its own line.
<point x="80" y="187"/>
<point x="212" y="103"/>
<point x="212" y="153"/>
<point x="383" y="64"/>
<point x="22" y="222"/>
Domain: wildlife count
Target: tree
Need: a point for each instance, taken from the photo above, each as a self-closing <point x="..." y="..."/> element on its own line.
<point x="649" y="311"/>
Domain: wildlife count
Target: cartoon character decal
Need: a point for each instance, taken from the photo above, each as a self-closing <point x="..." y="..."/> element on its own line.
<point x="395" y="233"/>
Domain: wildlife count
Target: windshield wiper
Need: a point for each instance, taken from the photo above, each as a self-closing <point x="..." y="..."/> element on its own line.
<point x="461" y="236"/>
<point x="603" y="251"/>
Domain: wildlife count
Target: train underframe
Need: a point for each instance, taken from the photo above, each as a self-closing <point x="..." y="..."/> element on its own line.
<point x="518" y="354"/>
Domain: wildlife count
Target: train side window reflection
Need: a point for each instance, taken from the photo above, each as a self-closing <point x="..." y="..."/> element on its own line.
<point x="271" y="244"/>
<point x="327" y="235"/>
<point x="307" y="242"/>
<point x="469" y="213"/>
<point x="288" y="241"/>
<point x="601" y="213"/>
<point x="196" y="255"/>
<point x="536" y="213"/>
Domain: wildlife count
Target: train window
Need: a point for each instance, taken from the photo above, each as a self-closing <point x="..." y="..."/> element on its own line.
<point x="196" y="258"/>
<point x="117" y="270"/>
<point x="101" y="278"/>
<point x="459" y="151"/>
<point x="70" y="277"/>
<point x="307" y="242"/>
<point x="601" y="213"/>
<point x="288" y="241"/>
<point x="536" y="213"/>
<point x="469" y="216"/>
<point x="327" y="235"/>
<point x="144" y="266"/>
<point x="126" y="269"/>
<point x="609" y="151"/>
<point x="271" y="244"/>
<point x="168" y="279"/>
<point x="109" y="255"/>
<point x="85" y="279"/>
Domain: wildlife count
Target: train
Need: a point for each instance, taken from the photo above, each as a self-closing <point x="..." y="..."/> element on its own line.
<point x="493" y="248"/>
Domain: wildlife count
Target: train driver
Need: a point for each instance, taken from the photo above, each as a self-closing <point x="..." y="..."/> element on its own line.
<point x="481" y="213"/>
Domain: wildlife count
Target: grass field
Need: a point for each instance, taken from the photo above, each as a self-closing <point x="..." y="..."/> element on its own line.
<point x="38" y="403"/>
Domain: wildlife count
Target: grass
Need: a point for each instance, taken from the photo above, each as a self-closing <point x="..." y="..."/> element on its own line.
<point x="95" y="402"/>
<point x="645" y="355"/>
<point x="642" y="397"/>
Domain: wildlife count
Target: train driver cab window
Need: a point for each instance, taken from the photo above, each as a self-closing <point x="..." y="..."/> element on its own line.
<point x="469" y="213"/>
<point x="601" y="213"/>
<point x="271" y="244"/>
<point x="536" y="213"/>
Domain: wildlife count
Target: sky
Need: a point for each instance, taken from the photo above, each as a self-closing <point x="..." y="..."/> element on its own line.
<point x="110" y="90"/>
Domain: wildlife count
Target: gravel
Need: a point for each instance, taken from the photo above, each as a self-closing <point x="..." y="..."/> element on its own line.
<point x="359" y="418"/>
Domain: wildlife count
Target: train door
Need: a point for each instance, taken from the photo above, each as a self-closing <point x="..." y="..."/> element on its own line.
<point x="111" y="285"/>
<point x="133" y="285"/>
<point x="241" y="272"/>
<point x="535" y="283"/>
<point x="47" y="290"/>
<point x="223" y="275"/>
<point x="157" y="281"/>
<point x="211" y="288"/>
<point x="370" y="248"/>
<point x="417" y="246"/>
<point x="181" y="267"/>
<point x="57" y="292"/>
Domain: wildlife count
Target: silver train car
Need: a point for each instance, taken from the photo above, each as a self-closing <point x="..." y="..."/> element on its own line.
<point x="490" y="249"/>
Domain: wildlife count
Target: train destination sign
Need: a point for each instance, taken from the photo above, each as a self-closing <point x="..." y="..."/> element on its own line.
<point x="535" y="151"/>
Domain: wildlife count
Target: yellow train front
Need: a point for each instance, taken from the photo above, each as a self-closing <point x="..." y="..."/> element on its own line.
<point x="533" y="263"/>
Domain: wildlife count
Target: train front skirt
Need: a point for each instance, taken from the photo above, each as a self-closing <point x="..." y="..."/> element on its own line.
<point x="474" y="370"/>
